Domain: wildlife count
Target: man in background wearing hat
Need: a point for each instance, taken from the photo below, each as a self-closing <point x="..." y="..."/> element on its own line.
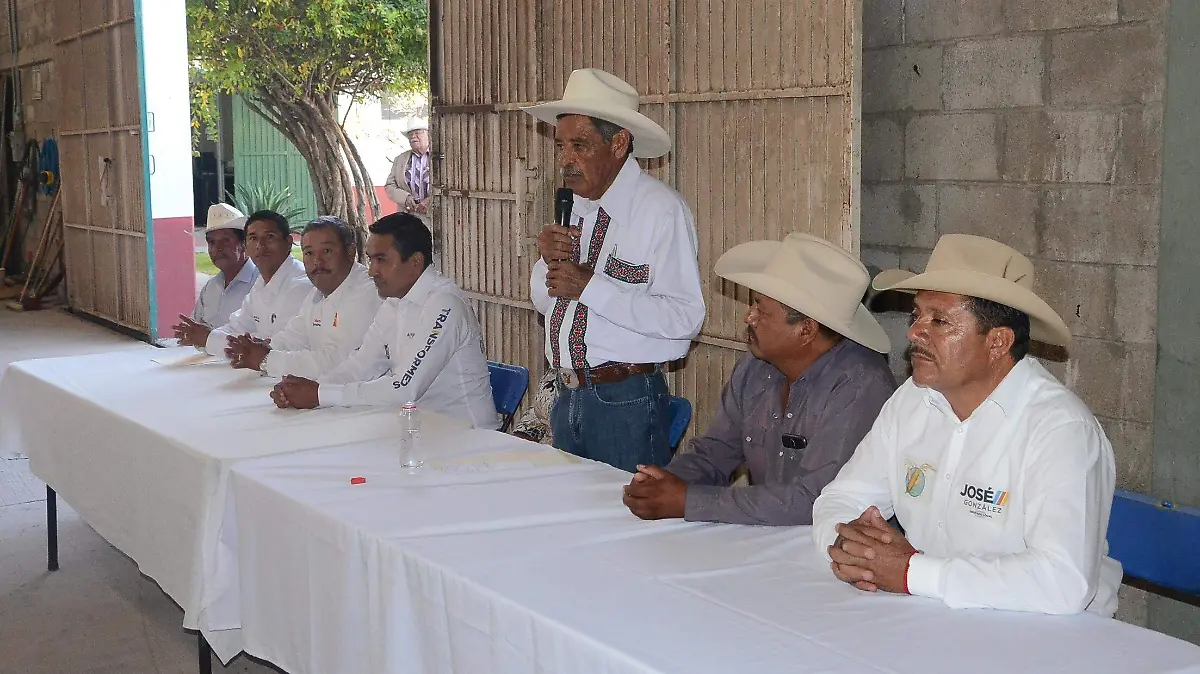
<point x="408" y="184"/>
<point x="222" y="294"/>
<point x="620" y="288"/>
<point x="1001" y="478"/>
<point x="273" y="299"/>
<point x="796" y="406"/>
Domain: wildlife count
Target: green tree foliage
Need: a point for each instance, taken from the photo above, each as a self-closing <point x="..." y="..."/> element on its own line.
<point x="291" y="59"/>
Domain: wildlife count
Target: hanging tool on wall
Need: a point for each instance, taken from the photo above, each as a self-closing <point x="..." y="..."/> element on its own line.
<point x="48" y="167"/>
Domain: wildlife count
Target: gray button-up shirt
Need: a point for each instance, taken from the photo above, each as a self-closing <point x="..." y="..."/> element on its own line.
<point x="218" y="301"/>
<point x="832" y="406"/>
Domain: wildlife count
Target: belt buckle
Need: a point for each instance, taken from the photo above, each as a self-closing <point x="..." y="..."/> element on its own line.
<point x="568" y="378"/>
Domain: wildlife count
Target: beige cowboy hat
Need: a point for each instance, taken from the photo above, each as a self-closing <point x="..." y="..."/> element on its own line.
<point x="605" y="96"/>
<point x="222" y="216"/>
<point x="812" y="276"/>
<point x="972" y="265"/>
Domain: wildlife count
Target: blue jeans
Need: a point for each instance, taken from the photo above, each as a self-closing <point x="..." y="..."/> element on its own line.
<point x="622" y="424"/>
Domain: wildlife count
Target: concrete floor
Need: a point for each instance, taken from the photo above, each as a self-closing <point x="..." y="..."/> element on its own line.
<point x="97" y="614"/>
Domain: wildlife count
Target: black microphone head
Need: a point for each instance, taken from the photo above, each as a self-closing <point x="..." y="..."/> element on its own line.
<point x="564" y="199"/>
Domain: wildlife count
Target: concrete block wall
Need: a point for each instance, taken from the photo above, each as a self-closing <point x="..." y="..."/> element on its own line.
<point x="1038" y="124"/>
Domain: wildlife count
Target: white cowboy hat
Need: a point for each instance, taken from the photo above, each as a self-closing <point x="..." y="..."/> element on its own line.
<point x="419" y="127"/>
<point x="812" y="276"/>
<point x="605" y="96"/>
<point x="222" y="216"/>
<point x="972" y="265"/>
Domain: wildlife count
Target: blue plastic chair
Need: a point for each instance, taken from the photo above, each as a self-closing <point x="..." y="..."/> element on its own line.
<point x="680" y="412"/>
<point x="1151" y="539"/>
<point x="508" y="388"/>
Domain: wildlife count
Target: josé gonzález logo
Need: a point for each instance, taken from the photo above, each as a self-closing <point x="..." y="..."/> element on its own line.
<point x="984" y="502"/>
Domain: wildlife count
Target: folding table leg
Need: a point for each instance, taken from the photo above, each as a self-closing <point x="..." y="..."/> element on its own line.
<point x="205" y="654"/>
<point x="51" y="529"/>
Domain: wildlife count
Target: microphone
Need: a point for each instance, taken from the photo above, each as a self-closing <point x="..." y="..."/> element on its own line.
<point x="564" y="199"/>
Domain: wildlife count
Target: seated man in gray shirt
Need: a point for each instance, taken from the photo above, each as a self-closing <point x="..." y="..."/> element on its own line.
<point x="795" y="407"/>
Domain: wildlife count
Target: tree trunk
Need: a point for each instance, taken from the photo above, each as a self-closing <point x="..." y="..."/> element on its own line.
<point x="334" y="164"/>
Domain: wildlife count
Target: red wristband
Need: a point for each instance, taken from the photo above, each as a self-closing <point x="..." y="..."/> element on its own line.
<point x="907" y="564"/>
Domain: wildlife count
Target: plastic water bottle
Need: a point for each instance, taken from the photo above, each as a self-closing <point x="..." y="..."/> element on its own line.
<point x="410" y="437"/>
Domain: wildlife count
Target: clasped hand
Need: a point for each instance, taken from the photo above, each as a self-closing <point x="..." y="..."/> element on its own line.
<point x="870" y="554"/>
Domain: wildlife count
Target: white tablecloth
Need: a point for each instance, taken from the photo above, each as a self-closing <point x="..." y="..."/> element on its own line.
<point x="517" y="567"/>
<point x="142" y="450"/>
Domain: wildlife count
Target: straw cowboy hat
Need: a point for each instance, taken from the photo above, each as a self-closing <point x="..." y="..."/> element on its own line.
<point x="972" y="265"/>
<point x="812" y="276"/>
<point x="605" y="96"/>
<point x="222" y="216"/>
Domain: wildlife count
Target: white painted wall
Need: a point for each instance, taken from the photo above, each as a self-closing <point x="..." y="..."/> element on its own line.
<point x="164" y="37"/>
<point x="379" y="140"/>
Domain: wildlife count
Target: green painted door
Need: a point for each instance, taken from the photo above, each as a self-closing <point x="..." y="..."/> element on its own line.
<point x="261" y="155"/>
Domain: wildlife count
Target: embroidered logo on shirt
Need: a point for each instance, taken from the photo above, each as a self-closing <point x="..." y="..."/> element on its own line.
<point x="387" y="353"/>
<point x="317" y="323"/>
<point x="984" y="502"/>
<point x="438" y="323"/>
<point x="914" y="481"/>
<point x="627" y="271"/>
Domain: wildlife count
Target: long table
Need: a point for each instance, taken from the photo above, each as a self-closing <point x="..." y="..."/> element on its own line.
<point x="503" y="556"/>
<point x="140" y="444"/>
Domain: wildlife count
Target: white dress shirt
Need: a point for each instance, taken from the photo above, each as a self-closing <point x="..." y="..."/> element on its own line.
<point x="425" y="347"/>
<point x="327" y="329"/>
<point x="267" y="307"/>
<point x="644" y="303"/>
<point x="218" y="301"/>
<point x="1009" y="508"/>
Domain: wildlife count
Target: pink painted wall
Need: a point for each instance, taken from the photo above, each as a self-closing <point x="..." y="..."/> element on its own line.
<point x="386" y="205"/>
<point x="174" y="271"/>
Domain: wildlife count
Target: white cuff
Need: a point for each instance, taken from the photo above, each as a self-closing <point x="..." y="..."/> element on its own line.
<point x="268" y="368"/>
<point x="218" y="340"/>
<point x="330" y="395"/>
<point x="925" y="575"/>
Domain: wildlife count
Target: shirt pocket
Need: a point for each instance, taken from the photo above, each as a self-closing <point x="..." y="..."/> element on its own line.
<point x="629" y="272"/>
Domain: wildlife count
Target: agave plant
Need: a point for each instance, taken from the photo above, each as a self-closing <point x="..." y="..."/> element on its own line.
<point x="268" y="197"/>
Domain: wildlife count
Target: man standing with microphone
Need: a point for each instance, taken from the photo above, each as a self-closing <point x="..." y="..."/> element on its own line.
<point x="618" y="279"/>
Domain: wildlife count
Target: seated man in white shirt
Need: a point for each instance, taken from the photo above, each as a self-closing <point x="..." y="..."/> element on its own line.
<point x="334" y="317"/>
<point x="1001" y="478"/>
<point x="223" y="294"/>
<point x="424" y="346"/>
<point x="273" y="300"/>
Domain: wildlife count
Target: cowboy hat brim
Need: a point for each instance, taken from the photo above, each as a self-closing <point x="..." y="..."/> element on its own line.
<point x="650" y="140"/>
<point x="744" y="265"/>
<point x="1045" y="325"/>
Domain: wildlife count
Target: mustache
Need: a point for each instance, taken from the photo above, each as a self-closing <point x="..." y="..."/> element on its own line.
<point x="572" y="173"/>
<point x="751" y="334"/>
<point x="917" y="351"/>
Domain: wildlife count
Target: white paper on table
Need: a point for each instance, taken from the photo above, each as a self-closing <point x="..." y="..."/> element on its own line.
<point x="198" y="358"/>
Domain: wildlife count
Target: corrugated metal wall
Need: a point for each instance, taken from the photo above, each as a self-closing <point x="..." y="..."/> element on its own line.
<point x="103" y="203"/>
<point x="760" y="96"/>
<point x="262" y="156"/>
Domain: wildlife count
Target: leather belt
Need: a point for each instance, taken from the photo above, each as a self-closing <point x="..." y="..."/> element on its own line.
<point x="609" y="373"/>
